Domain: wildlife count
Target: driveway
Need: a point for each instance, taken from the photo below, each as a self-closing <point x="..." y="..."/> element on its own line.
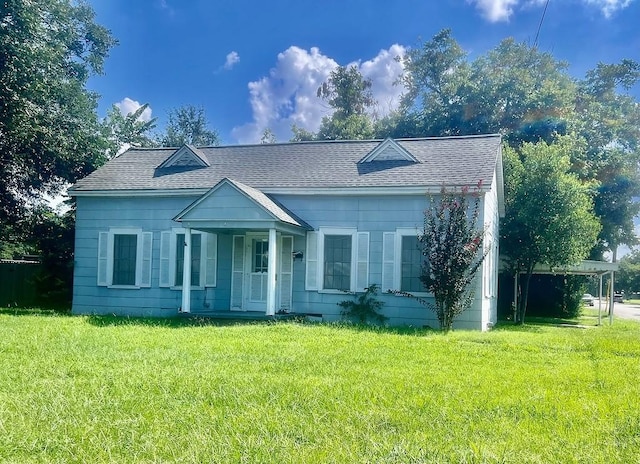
<point x="626" y="311"/>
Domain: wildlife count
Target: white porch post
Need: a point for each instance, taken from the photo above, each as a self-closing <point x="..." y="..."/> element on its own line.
<point x="186" y="274"/>
<point x="271" y="274"/>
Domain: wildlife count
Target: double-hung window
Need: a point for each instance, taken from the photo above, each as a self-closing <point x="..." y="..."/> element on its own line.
<point x="204" y="250"/>
<point x="403" y="261"/>
<point x="411" y="261"/>
<point x="124" y="258"/>
<point x="337" y="260"/>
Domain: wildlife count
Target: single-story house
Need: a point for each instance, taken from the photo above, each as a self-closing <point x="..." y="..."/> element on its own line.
<point x="275" y="228"/>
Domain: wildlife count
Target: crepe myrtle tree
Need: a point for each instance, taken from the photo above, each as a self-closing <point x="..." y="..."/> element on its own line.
<point x="452" y="248"/>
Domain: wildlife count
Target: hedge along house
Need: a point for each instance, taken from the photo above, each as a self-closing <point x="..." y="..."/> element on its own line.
<point x="275" y="228"/>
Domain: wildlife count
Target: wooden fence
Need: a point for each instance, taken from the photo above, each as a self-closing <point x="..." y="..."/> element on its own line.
<point x="17" y="283"/>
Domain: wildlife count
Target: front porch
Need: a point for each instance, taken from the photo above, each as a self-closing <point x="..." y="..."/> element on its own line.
<point x="261" y="262"/>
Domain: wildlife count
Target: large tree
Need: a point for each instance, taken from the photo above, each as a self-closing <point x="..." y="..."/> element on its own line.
<point x="549" y="211"/>
<point x="607" y="118"/>
<point x="188" y="124"/>
<point x="49" y="130"/>
<point x="512" y="88"/>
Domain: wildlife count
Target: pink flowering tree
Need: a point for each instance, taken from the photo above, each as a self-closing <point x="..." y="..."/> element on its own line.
<point x="452" y="245"/>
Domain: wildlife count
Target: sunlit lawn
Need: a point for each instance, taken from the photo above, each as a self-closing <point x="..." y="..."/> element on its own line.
<point x="92" y="389"/>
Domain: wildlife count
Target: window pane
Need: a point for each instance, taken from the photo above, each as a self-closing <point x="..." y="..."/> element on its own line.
<point x="196" y="252"/>
<point x="410" y="265"/>
<point x="124" y="259"/>
<point x="337" y="262"/>
<point x="260" y="255"/>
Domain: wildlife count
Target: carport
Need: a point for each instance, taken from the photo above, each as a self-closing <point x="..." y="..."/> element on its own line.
<point x="587" y="268"/>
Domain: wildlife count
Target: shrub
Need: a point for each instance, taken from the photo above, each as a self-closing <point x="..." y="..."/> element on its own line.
<point x="364" y="307"/>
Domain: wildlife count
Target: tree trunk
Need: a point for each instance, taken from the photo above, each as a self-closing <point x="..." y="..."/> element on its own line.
<point x="524" y="296"/>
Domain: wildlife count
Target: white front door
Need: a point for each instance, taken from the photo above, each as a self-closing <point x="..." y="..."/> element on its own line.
<point x="256" y="266"/>
<point x="249" y="276"/>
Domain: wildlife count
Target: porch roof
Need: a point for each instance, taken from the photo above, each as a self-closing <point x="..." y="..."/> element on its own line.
<point x="232" y="205"/>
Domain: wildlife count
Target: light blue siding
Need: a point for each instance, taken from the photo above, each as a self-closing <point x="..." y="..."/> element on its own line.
<point x="227" y="203"/>
<point x="373" y="214"/>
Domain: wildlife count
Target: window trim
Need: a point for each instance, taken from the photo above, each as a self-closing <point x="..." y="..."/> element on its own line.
<point x="322" y="232"/>
<point x="140" y="258"/>
<point x="397" y="259"/>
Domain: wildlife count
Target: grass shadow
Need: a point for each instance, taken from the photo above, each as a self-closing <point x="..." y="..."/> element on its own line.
<point x="46" y="312"/>
<point x="379" y="329"/>
<point x="171" y="322"/>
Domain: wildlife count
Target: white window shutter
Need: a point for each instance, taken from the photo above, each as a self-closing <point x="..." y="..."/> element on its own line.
<point x="388" y="261"/>
<point x="237" y="272"/>
<point x="103" y="258"/>
<point x="211" y="260"/>
<point x="362" y="261"/>
<point x="165" y="262"/>
<point x="311" y="255"/>
<point x="147" y="245"/>
<point x="285" y="279"/>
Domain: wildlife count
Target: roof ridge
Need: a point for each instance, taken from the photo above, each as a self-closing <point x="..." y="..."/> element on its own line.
<point x="312" y="142"/>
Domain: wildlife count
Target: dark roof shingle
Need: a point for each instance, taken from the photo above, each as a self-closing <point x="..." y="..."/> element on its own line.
<point x="455" y="161"/>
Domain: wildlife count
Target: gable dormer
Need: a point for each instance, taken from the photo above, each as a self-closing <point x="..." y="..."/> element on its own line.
<point x="388" y="150"/>
<point x="186" y="156"/>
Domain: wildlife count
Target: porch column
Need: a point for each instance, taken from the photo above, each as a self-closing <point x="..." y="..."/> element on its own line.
<point x="186" y="274"/>
<point x="271" y="274"/>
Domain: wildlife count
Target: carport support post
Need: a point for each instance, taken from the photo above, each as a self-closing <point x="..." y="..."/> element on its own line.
<point x="600" y="301"/>
<point x="515" y="296"/>
<point x="271" y="274"/>
<point x="611" y="301"/>
<point x="186" y="274"/>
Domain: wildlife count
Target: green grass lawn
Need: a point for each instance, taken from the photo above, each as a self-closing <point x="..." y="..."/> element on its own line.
<point x="99" y="389"/>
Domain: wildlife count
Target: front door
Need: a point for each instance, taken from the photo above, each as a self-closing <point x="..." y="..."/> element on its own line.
<point x="256" y="264"/>
<point x="249" y="275"/>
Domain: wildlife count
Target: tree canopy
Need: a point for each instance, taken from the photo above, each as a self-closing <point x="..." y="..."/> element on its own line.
<point x="188" y="124"/>
<point x="549" y="211"/>
<point x="528" y="96"/>
<point x="124" y="131"/>
<point x="49" y="130"/>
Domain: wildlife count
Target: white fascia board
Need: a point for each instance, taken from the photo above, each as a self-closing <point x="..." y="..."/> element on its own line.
<point x="139" y="193"/>
<point x="337" y="191"/>
<point x="374" y="191"/>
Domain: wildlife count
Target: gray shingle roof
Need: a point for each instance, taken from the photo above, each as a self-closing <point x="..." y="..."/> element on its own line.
<point x="455" y="161"/>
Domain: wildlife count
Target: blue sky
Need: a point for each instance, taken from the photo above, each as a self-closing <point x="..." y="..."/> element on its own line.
<point x="257" y="64"/>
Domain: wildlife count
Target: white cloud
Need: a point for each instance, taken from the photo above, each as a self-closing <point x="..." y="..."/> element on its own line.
<point x="495" y="10"/>
<point x="164" y="6"/>
<point x="232" y="59"/>
<point x="384" y="70"/>
<point x="501" y="10"/>
<point x="609" y="7"/>
<point x="288" y="95"/>
<point x="128" y="106"/>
